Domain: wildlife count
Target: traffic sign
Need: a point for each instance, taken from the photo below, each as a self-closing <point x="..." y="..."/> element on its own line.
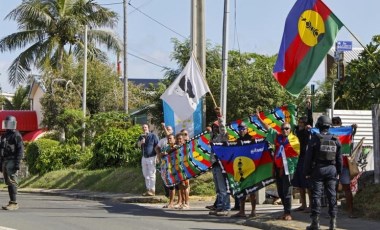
<point x="344" y="45"/>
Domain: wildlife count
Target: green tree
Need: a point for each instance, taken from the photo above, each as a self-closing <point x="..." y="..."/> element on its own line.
<point x="360" y="88"/>
<point x="19" y="101"/>
<point x="250" y="82"/>
<point x="52" y="30"/>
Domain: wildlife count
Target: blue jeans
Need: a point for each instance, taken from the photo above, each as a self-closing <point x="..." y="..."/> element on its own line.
<point x="223" y="199"/>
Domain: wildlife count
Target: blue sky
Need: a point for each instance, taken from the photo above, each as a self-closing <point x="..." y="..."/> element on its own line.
<point x="257" y="25"/>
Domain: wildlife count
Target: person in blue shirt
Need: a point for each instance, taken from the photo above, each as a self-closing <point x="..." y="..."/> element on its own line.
<point x="147" y="142"/>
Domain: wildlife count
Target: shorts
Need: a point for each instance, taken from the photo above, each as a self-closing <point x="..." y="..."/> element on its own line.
<point x="184" y="184"/>
<point x="344" y="177"/>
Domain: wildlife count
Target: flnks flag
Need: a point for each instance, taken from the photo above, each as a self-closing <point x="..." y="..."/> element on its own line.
<point x="184" y="93"/>
<point x="247" y="166"/>
<point x="310" y="31"/>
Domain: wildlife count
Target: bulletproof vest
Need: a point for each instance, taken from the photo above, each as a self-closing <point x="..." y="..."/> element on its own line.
<point x="327" y="149"/>
<point x="10" y="144"/>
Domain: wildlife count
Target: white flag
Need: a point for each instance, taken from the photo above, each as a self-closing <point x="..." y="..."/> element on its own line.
<point x="186" y="90"/>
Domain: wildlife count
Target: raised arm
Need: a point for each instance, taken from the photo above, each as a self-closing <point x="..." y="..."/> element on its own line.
<point x="266" y="126"/>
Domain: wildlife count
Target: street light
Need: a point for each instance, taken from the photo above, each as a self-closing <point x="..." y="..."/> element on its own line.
<point x="68" y="82"/>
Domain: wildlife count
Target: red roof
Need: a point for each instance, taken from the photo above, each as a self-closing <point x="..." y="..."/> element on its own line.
<point x="32" y="136"/>
<point x="26" y="119"/>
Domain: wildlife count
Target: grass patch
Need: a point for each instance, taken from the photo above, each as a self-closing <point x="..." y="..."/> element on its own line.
<point x="367" y="202"/>
<point x="114" y="180"/>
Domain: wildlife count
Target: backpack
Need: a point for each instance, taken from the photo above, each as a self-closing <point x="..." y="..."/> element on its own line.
<point x="327" y="148"/>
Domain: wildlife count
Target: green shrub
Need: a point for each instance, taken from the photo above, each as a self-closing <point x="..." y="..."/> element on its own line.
<point x="114" y="148"/>
<point x="35" y="153"/>
<point x="46" y="155"/>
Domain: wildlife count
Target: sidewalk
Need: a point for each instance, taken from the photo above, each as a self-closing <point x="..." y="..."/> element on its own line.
<point x="266" y="218"/>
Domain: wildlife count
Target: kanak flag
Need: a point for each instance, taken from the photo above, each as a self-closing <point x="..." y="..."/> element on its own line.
<point x="310" y="31"/>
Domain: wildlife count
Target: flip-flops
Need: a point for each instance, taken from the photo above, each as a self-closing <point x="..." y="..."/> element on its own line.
<point x="238" y="215"/>
<point x="286" y="217"/>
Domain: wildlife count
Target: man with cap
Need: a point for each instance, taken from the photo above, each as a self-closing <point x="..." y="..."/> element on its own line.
<point x="222" y="204"/>
<point x="12" y="150"/>
<point x="244" y="136"/>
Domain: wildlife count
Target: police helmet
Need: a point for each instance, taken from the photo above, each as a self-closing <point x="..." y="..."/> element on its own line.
<point x="323" y="122"/>
<point x="10" y="122"/>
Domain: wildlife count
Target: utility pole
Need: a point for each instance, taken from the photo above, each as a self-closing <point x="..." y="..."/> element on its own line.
<point x="125" y="77"/>
<point x="84" y="96"/>
<point x="223" y="91"/>
<point x="198" y="41"/>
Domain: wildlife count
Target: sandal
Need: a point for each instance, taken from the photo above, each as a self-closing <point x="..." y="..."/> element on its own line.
<point x="239" y="215"/>
<point x="252" y="215"/>
<point x="287" y="217"/>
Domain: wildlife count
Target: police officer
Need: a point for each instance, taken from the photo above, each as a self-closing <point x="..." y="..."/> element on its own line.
<point x="12" y="151"/>
<point x="323" y="164"/>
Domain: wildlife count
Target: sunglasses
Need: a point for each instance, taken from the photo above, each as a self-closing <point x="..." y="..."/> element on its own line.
<point x="285" y="128"/>
<point x="242" y="128"/>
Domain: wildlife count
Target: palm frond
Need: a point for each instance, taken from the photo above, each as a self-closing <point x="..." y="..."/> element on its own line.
<point x="19" y="40"/>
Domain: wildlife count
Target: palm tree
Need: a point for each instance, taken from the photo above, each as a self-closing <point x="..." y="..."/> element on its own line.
<point x="19" y="101"/>
<point x="51" y="30"/>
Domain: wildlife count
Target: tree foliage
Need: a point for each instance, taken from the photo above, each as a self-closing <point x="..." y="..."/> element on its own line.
<point x="51" y="30"/>
<point x="19" y="101"/>
<point x="250" y="82"/>
<point x="360" y="88"/>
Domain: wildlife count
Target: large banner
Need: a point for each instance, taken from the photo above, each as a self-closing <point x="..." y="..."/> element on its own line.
<point x="193" y="158"/>
<point x="189" y="161"/>
<point x="247" y="166"/>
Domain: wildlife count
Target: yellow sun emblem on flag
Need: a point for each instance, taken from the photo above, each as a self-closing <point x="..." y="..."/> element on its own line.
<point x="197" y="156"/>
<point x="311" y="27"/>
<point x="243" y="167"/>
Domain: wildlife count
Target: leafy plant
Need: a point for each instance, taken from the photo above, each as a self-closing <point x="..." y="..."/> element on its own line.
<point x="115" y="148"/>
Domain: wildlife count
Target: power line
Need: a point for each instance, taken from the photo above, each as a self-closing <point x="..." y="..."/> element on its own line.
<point x="108" y="4"/>
<point x="133" y="55"/>
<point x="129" y="3"/>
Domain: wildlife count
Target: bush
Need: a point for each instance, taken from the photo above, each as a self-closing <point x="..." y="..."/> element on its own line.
<point x="46" y="155"/>
<point x="115" y="148"/>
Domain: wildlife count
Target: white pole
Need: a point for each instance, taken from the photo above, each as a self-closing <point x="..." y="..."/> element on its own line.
<point x="223" y="95"/>
<point x="125" y="77"/>
<point x="84" y="87"/>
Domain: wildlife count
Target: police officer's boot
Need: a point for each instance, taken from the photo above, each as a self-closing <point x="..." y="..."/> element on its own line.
<point x="332" y="223"/>
<point x="314" y="223"/>
<point x="12" y="205"/>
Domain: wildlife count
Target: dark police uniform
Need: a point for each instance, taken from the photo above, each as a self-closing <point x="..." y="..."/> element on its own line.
<point x="13" y="149"/>
<point x="323" y="164"/>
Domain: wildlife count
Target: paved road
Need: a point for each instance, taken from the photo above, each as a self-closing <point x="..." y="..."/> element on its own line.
<point x="44" y="212"/>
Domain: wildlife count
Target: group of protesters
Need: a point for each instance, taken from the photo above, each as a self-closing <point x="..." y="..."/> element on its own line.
<point x="319" y="166"/>
<point x="153" y="150"/>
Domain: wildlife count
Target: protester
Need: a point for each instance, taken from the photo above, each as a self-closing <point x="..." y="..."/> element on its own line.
<point x="161" y="147"/>
<point x="244" y="136"/>
<point x="323" y="164"/>
<point x="222" y="203"/>
<point x="12" y="148"/>
<point x="344" y="178"/>
<point x="302" y="131"/>
<point x="286" y="145"/>
<point x="165" y="151"/>
<point x="183" y="195"/>
<point x="147" y="142"/>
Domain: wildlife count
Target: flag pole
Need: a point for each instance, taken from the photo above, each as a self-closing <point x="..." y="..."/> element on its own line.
<point x="365" y="48"/>
<point x="204" y="79"/>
